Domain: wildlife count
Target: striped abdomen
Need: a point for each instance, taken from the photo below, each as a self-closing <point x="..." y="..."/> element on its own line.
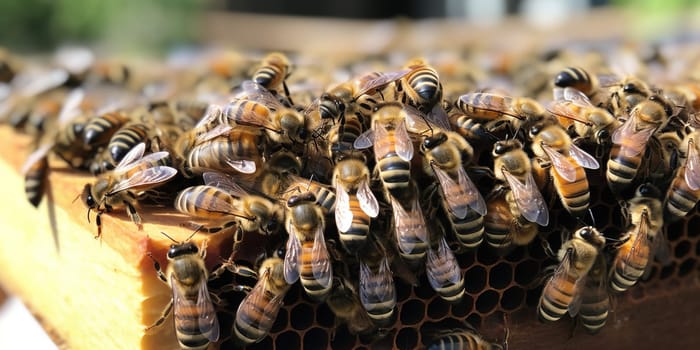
<point x="556" y="298"/>
<point x="483" y="105"/>
<point x="680" y="199"/>
<point x="35" y="181"/>
<point x="254" y="321"/>
<point x="576" y="78"/>
<point x="191" y="334"/>
<point x="394" y="172"/>
<point x="422" y="88"/>
<point x="356" y="236"/>
<point x="197" y="200"/>
<point x="622" y="168"/>
<point x="629" y="265"/>
<point x="595" y="301"/>
<point x="312" y="286"/>
<point x="460" y="340"/>
<point x="99" y="130"/>
<point x="574" y="195"/>
<point x="470" y="230"/>
<point x="125" y="139"/>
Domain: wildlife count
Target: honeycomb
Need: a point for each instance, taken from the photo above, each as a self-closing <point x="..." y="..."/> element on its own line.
<point x="495" y="284"/>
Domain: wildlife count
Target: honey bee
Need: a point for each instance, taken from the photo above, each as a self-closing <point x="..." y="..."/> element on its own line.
<point x="595" y="299"/>
<point x="273" y="72"/>
<point x="257" y="312"/>
<point x="121" y="186"/>
<point x="239" y="148"/>
<point x="592" y="123"/>
<point x="196" y="324"/>
<point x="420" y="87"/>
<point x="643" y="240"/>
<point x="36" y="177"/>
<point x="213" y="204"/>
<point x="257" y="107"/>
<point x="445" y="154"/>
<point x="99" y="130"/>
<point x="493" y="107"/>
<point x="568" y="160"/>
<point x="579" y="79"/>
<point x="393" y="149"/>
<point x="630" y="141"/>
<point x="342" y="136"/>
<point x="410" y="229"/>
<point x="128" y="136"/>
<point x="461" y="338"/>
<point x="294" y="185"/>
<point x="684" y="192"/>
<point x="503" y="229"/>
<point x="626" y="94"/>
<point x="345" y="304"/>
<point x="306" y="253"/>
<point x="355" y="203"/>
<point x="377" y="289"/>
<point x="442" y="270"/>
<point x="562" y="292"/>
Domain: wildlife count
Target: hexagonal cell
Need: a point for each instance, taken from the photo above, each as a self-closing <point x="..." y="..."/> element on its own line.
<point x="487" y="301"/>
<point x="464" y="307"/>
<point x="474" y="319"/>
<point x="407" y="338"/>
<point x="403" y="290"/>
<point x="341" y="338"/>
<point x="302" y="316"/>
<point x="475" y="279"/>
<point x="466" y="259"/>
<point x="682" y="249"/>
<point x="692" y="224"/>
<point x="324" y="316"/>
<point x="512" y="298"/>
<point x="316" y="338"/>
<point x="268" y="343"/>
<point x="486" y="255"/>
<point x="686" y="267"/>
<point x="288" y="340"/>
<point x="501" y="275"/>
<point x="675" y="231"/>
<point x="668" y="271"/>
<point x="412" y="312"/>
<point x="438" y="308"/>
<point x="526" y="271"/>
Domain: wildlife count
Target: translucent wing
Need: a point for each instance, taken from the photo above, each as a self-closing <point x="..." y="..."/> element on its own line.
<point x="692" y="167"/>
<point x="561" y="164"/>
<point x="71" y="106"/>
<point x="250" y="306"/>
<point x="641" y="246"/>
<point x="214" y="204"/>
<point x="489" y="102"/>
<point x="630" y="133"/>
<point x="45" y="82"/>
<point x="561" y="273"/>
<point x="253" y="91"/>
<point x="376" y="289"/>
<point x="576" y="299"/>
<point x="404" y="145"/>
<point x="320" y="260"/>
<point x="528" y="198"/>
<point x="147" y="177"/>
<point x="439" y="117"/>
<point x="224" y="182"/>
<point x="343" y="214"/>
<point x="562" y="109"/>
<point x="577" y="97"/>
<point x="242" y="165"/>
<point x="210" y="116"/>
<point x="583" y="158"/>
<point x="184" y="306"/>
<point x="410" y="227"/>
<point x="208" y="323"/>
<point x="241" y="112"/>
<point x="376" y="80"/>
<point x="219" y="130"/>
<point x="365" y="140"/>
<point x="134" y="154"/>
<point x="441" y="266"/>
<point x="36" y="156"/>
<point x="292" y="257"/>
<point x="368" y="202"/>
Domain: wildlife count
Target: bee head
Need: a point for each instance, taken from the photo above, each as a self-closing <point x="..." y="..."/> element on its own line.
<point x="87" y="197"/>
<point x="648" y="190"/>
<point x="187" y="248"/>
<point x="307" y="197"/>
<point x="434" y="141"/>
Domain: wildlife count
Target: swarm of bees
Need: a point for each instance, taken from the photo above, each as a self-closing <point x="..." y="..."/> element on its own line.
<point x="379" y="179"/>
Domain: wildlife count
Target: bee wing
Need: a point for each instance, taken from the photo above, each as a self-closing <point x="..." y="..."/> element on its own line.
<point x="368" y="202"/>
<point x="583" y="158"/>
<point x="320" y="261"/>
<point x="577" y="97"/>
<point x="242" y="165"/>
<point x="576" y="299"/>
<point x="439" y="117"/>
<point x="487" y="102"/>
<point x="150" y="176"/>
<point x="629" y="132"/>
<point x="237" y="112"/>
<point x="71" y="106"/>
<point x="561" y="272"/>
<point x="254" y="300"/>
<point x="365" y="140"/>
<point x="561" y="164"/>
<point x="292" y="257"/>
<point x="207" y="321"/>
<point x="561" y="109"/>
<point x="224" y="182"/>
<point x="44" y="82"/>
<point x="405" y="233"/>
<point x="376" y="80"/>
<point x="692" y="168"/>
<point x="441" y="266"/>
<point x="404" y="145"/>
<point x="184" y="306"/>
<point x="454" y="198"/>
<point x="36" y="156"/>
<point x="376" y="288"/>
<point x="134" y="154"/>
<point x="219" y="130"/>
<point x="528" y="198"/>
<point x="253" y="91"/>
<point x="343" y="214"/>
<point x="212" y="113"/>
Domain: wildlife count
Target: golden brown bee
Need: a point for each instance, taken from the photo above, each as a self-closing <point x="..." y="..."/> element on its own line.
<point x="409" y="227"/>
<point x="377" y="289"/>
<point x="561" y="292"/>
<point x="630" y="141"/>
<point x="306" y="253"/>
<point x="393" y="149"/>
<point x="643" y="240"/>
<point x="257" y="107"/>
<point x="461" y="338"/>
<point x="684" y="192"/>
<point x="568" y="160"/>
<point x="273" y="72"/>
<point x="355" y="203"/>
<point x="503" y="229"/>
<point x="257" y="312"/>
<point x="443" y="271"/>
<point x="224" y="149"/>
<point x="486" y="106"/>
<point x="345" y="304"/>
<point x="121" y="186"/>
<point x="421" y="87"/>
<point x="626" y="94"/>
<point x="196" y="324"/>
<point x="445" y="154"/>
<point x="294" y="185"/>
<point x="212" y="204"/>
<point x="36" y="178"/>
<point x="579" y="79"/>
<point x="99" y="130"/>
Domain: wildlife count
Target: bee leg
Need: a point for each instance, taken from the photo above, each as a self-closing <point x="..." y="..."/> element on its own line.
<point x="236" y="288"/>
<point x="131" y="211"/>
<point x="216" y="300"/>
<point x="162" y="318"/>
<point x="286" y="93"/>
<point x="98" y="222"/>
<point x="159" y="270"/>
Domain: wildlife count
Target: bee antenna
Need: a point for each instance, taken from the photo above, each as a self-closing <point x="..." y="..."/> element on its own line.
<point x="88" y="215"/>
<point x="590" y="213"/>
<point x="172" y="239"/>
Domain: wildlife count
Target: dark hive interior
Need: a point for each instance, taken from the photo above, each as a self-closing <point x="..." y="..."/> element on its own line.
<point x="496" y="282"/>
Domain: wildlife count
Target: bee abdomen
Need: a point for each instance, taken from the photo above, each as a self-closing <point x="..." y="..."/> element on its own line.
<point x="187" y="327"/>
<point x="625" y="276"/>
<point x="395" y="174"/>
<point x="594" y="313"/>
<point x="35" y="181"/>
<point x="575" y="195"/>
<point x="555" y="300"/>
<point x="125" y="139"/>
<point x="470" y="230"/>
